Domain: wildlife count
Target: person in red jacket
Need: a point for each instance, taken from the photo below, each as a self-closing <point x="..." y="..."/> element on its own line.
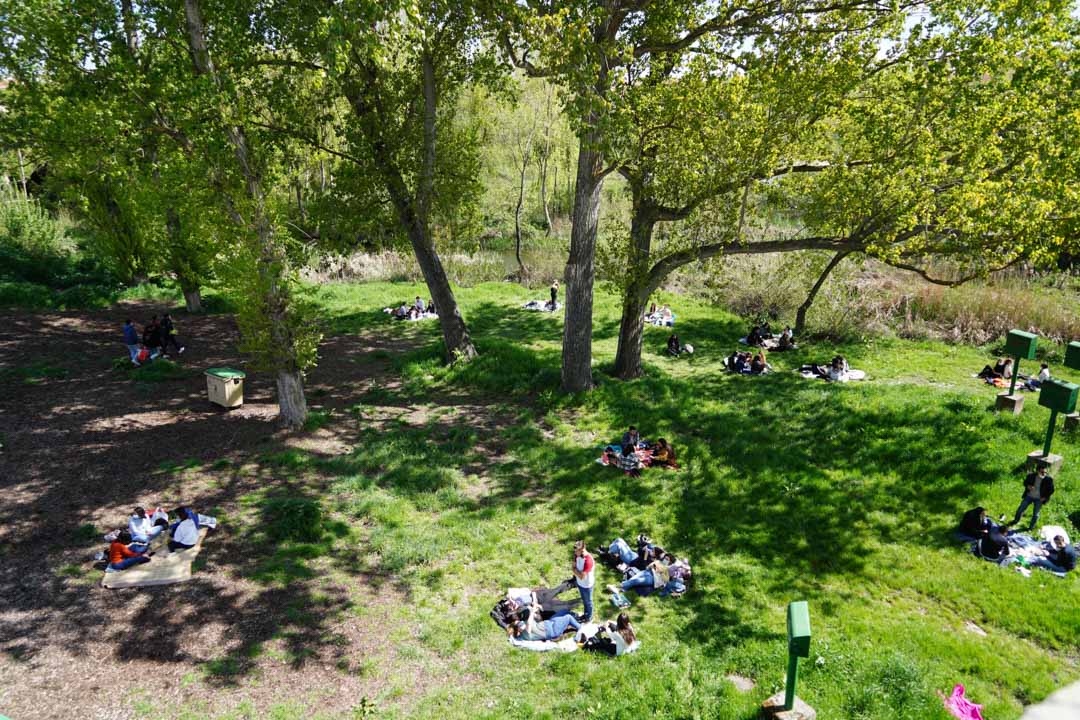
<point x="121" y="557"/>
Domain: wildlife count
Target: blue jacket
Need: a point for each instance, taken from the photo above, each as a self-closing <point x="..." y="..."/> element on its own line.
<point x="131" y="335"/>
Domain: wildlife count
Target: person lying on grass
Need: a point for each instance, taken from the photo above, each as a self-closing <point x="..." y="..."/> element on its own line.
<point x="625" y="557"/>
<point x="1061" y="558"/>
<point x="520" y="602"/>
<point x="612" y="637"/>
<point x="123" y="553"/>
<point x="534" y="629"/>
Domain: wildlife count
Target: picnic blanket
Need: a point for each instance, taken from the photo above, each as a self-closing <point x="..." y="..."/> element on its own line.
<point x="165" y="567"/>
<point x="772" y="343"/>
<point x="660" y="321"/>
<point x="1024" y="548"/>
<point x="851" y="375"/>
<point x="1004" y="383"/>
<point x="542" y="306"/>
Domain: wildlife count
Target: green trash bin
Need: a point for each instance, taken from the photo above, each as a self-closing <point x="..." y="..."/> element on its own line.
<point x="225" y="387"/>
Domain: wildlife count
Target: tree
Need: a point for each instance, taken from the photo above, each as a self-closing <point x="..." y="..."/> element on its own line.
<point x="862" y="153"/>
<point x="590" y="47"/>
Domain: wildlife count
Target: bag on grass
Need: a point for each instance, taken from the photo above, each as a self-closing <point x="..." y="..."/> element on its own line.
<point x="143" y="355"/>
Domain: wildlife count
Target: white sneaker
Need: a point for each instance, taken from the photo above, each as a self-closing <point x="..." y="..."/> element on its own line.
<point x="182" y="349"/>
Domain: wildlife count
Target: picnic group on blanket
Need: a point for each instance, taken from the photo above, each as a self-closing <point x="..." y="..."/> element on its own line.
<point x="632" y="454"/>
<point x="131" y="546"/>
<point x="662" y="317"/>
<point x="761" y="336"/>
<point x="419" y="310"/>
<point x="537" y="619"/>
<point x="1001" y="375"/>
<point x="154" y="342"/>
<point x="999" y="544"/>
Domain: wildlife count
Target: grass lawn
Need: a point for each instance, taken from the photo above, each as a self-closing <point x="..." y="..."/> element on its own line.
<point x="841" y="495"/>
<point x="464" y="481"/>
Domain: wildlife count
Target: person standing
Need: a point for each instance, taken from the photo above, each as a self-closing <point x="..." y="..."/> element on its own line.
<point x="583" y="573"/>
<point x="168" y="335"/>
<point x="131" y="340"/>
<point x="1038" y="487"/>
<point x="554" y="294"/>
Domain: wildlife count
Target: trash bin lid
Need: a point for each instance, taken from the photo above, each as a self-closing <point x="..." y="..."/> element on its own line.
<point x="226" y="373"/>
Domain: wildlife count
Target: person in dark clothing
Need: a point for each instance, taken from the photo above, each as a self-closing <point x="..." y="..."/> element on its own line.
<point x="975" y="523"/>
<point x="1062" y="558"/>
<point x="168" y="335"/>
<point x="152" y="334"/>
<point x="554" y="294"/>
<point x="994" y="545"/>
<point x="131" y="341"/>
<point x="674" y="347"/>
<point x="1038" y="488"/>
<point x="755" y="339"/>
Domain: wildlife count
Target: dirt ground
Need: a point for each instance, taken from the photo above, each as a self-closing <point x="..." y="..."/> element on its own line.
<point x="85" y="444"/>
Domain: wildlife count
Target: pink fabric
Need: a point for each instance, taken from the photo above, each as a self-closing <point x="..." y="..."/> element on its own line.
<point x="960" y="707"/>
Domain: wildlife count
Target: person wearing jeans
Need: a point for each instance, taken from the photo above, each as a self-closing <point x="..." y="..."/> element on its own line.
<point x="1038" y="488"/>
<point x="141" y="528"/>
<point x="1061" y="559"/>
<point x="121" y="557"/>
<point x="583" y="572"/>
<point x="131" y="340"/>
<point x="552" y="629"/>
<point x="622" y="550"/>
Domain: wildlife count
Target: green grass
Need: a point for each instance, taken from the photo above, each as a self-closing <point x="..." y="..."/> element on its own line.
<point x="844" y="496"/>
<point x="34" y="373"/>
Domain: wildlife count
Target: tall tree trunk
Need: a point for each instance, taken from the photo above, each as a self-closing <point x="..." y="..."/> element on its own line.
<point x="188" y="284"/>
<point x="523" y="167"/>
<point x="192" y="298"/>
<point x="800" y="315"/>
<point x="638" y="290"/>
<point x="292" y="404"/>
<point x="580" y="268"/>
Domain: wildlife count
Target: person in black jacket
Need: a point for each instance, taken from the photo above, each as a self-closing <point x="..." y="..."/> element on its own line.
<point x="975" y="524"/>
<point x="168" y="335"/>
<point x="1038" y="488"/>
<point x="994" y="545"/>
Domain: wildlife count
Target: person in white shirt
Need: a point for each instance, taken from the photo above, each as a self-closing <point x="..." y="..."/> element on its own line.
<point x="1035" y="382"/>
<point x="584" y="572"/>
<point x="419" y="304"/>
<point x="142" y="527"/>
<point x="185" y="533"/>
<point x="613" y="637"/>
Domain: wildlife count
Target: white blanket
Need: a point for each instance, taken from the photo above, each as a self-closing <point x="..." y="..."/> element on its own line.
<point x="541" y="306"/>
<point x="849" y="375"/>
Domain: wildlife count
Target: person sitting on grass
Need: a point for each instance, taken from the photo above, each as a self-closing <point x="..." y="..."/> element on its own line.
<point x="627" y="460"/>
<point x="975" y="524"/>
<point x="739" y="362"/>
<point x="185" y="532"/>
<point x="994" y="544"/>
<point x="674" y="348"/>
<point x="536" y="629"/>
<point x="612" y="637"/>
<point x="121" y="556"/>
<point x="401" y="311"/>
<point x="663" y="454"/>
<point x="787" y="340"/>
<point x="631" y="437"/>
<point x="1036" y="382"/>
<point x="432" y="310"/>
<point x="838" y="370"/>
<point x="419" y="305"/>
<point x="666" y="315"/>
<point x="758" y="365"/>
<point x="1060" y="559"/>
<point x="755" y="338"/>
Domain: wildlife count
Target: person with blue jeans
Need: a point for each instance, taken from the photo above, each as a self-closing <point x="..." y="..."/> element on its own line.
<point x="583" y="570"/>
<point x="622" y="550"/>
<point x="1038" y="488"/>
<point x="552" y="629"/>
<point x="141" y="528"/>
<point x="121" y="556"/>
<point x="1061" y="559"/>
<point x="131" y="340"/>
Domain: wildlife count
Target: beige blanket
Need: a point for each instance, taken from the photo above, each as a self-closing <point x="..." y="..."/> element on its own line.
<point x="165" y="567"/>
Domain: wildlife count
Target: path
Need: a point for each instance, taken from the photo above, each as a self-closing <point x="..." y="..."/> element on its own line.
<point x="1062" y="705"/>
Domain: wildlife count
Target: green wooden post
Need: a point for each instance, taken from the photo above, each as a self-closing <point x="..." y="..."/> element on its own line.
<point x="798" y="627"/>
<point x="1019" y="345"/>
<point x="1059" y="396"/>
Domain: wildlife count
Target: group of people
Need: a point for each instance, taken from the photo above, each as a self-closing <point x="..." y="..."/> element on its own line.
<point x="538" y="614"/>
<point x="1001" y="374"/>
<point x="992" y="540"/>
<point x="748" y="363"/>
<point x="154" y="342"/>
<point x="661" y="316"/>
<point x="632" y="453"/>
<point x="131" y="546"/>
<point x="649" y="569"/>
<point x="761" y="336"/>
<point x="415" y="311"/>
